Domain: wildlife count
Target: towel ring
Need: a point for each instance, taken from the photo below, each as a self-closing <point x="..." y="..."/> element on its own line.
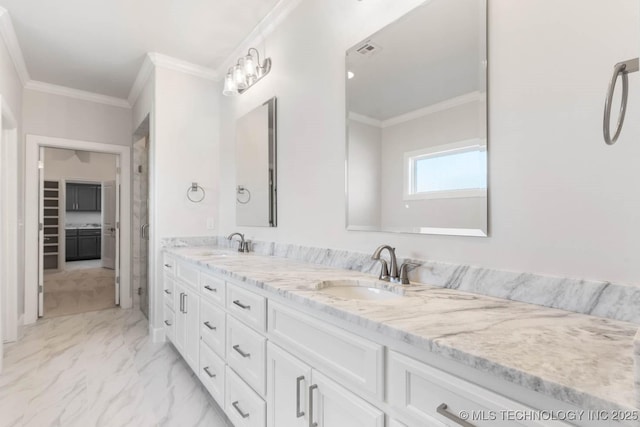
<point x="621" y="68"/>
<point x="194" y="189"/>
<point x="242" y="190"/>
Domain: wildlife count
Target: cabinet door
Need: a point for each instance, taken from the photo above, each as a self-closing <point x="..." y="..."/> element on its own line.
<point x="98" y="198"/>
<point x="87" y="198"/>
<point x="88" y="247"/>
<point x="180" y="331"/>
<point x="191" y="307"/>
<point x="288" y="380"/>
<point x="71" y="197"/>
<point x="331" y="405"/>
<point x="71" y="249"/>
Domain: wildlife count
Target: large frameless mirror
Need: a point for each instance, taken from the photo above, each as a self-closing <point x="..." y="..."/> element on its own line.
<point x="256" y="167"/>
<point x="417" y="123"/>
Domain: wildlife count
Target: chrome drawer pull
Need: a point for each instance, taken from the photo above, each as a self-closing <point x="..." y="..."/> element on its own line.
<point x="206" y="369"/>
<point x="167" y="291"/>
<point x="242" y="414"/>
<point x="168" y="265"/>
<point x="242" y="353"/>
<point x="442" y="410"/>
<point x="209" y="288"/>
<point x="299" y="380"/>
<point x="166" y="322"/>
<point x="241" y="305"/>
<point x="311" y="422"/>
<point x="208" y="325"/>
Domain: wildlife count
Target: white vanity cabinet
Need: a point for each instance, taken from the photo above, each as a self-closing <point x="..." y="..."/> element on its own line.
<point x="187" y="324"/>
<point x="299" y="396"/>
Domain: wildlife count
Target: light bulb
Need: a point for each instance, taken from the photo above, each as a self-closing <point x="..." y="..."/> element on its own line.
<point x="250" y="69"/>
<point x="230" y="88"/>
<point x="239" y="78"/>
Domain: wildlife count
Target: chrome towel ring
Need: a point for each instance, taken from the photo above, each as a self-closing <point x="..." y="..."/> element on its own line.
<point x="241" y="190"/>
<point x="621" y="68"/>
<point x="194" y="189"/>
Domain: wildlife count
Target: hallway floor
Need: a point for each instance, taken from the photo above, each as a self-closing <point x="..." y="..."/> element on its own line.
<point x="78" y="291"/>
<point x="100" y="369"/>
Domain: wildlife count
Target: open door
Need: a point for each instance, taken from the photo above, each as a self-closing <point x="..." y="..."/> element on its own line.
<point x="109" y="225"/>
<point x="41" y="233"/>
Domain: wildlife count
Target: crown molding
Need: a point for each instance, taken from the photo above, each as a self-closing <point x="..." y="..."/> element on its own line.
<point x="361" y="118"/>
<point x="164" y="61"/>
<point x="11" y="41"/>
<point x="76" y="94"/>
<point x="265" y="27"/>
<point x="144" y="73"/>
<point x="440" y="106"/>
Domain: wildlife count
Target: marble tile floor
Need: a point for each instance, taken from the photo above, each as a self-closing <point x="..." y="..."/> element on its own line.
<point x="100" y="369"/>
<point x="78" y="291"/>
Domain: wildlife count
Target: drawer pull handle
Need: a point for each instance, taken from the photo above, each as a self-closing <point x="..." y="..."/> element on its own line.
<point x="208" y="325"/>
<point x="209" y="288"/>
<point x="166" y="322"/>
<point x="168" y="265"/>
<point x="299" y="380"/>
<point x="242" y="353"/>
<point x="442" y="410"/>
<point x="241" y="305"/>
<point x="167" y="291"/>
<point x="311" y="422"/>
<point x="206" y="369"/>
<point x="237" y="407"/>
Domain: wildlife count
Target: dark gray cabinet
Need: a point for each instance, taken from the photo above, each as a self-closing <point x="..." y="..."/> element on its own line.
<point x="83" y="197"/>
<point x="83" y="244"/>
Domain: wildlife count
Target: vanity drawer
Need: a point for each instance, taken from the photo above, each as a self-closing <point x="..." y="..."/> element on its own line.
<point x="212" y="288"/>
<point x="246" y="353"/>
<point x="213" y="326"/>
<point x="188" y="273"/>
<point x="169" y="323"/>
<point x="417" y="390"/>
<point x="168" y="264"/>
<point x="168" y="284"/>
<point x="242" y="405"/>
<point x="249" y="307"/>
<point x="212" y="373"/>
<point x="349" y="359"/>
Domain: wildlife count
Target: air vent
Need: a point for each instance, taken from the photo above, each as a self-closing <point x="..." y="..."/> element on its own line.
<point x="368" y="48"/>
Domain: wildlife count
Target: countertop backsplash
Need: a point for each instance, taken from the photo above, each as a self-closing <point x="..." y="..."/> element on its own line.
<point x="603" y="299"/>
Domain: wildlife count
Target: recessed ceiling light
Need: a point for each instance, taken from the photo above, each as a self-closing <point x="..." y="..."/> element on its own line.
<point x="350" y="75"/>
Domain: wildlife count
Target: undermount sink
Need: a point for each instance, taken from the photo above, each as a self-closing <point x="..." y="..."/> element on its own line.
<point x="360" y="290"/>
<point x="208" y="253"/>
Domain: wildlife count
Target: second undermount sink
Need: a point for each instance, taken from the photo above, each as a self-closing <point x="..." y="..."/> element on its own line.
<point x="360" y="290"/>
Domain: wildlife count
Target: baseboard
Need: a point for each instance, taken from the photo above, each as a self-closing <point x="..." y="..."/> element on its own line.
<point x="157" y="335"/>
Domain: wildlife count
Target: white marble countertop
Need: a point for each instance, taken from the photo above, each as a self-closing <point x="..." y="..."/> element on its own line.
<point x="583" y="360"/>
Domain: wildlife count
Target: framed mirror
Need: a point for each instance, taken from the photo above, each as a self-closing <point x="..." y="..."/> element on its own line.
<point x="256" y="167"/>
<point x="417" y="123"/>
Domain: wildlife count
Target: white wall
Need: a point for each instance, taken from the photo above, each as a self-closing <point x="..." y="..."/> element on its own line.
<point x="63" y="117"/>
<point x="11" y="95"/>
<point x="184" y="149"/>
<point x="561" y="202"/>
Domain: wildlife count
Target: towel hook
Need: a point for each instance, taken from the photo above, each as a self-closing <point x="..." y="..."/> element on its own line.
<point x="621" y="68"/>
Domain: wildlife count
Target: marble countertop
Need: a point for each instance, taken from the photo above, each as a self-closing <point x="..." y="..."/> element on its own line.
<point x="584" y="360"/>
<point x="81" y="226"/>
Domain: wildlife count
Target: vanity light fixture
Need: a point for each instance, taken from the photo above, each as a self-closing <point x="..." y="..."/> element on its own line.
<point x="247" y="72"/>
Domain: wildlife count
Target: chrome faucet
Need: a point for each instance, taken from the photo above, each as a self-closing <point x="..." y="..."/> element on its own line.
<point x="244" y="245"/>
<point x="391" y="274"/>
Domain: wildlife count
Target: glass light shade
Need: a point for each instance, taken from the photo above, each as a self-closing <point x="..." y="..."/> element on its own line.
<point x="249" y="67"/>
<point x="239" y="77"/>
<point x="230" y="88"/>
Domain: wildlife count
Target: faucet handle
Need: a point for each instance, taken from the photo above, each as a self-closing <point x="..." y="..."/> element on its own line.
<point x="246" y="247"/>
<point x="384" y="270"/>
<point x="404" y="270"/>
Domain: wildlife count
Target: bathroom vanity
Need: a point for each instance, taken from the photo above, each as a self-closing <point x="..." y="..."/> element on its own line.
<point x="279" y="342"/>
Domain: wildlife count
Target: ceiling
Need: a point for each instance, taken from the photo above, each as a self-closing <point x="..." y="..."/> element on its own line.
<point x="432" y="54"/>
<point x="99" y="45"/>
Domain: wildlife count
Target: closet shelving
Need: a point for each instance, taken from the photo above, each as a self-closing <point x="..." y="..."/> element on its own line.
<point x="51" y="206"/>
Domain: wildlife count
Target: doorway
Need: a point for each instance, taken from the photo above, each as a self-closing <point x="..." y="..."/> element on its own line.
<point x="79" y="209"/>
<point x="141" y="217"/>
<point x="34" y="215"/>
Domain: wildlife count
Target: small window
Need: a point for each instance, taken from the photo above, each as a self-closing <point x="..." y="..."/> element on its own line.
<point x="446" y="171"/>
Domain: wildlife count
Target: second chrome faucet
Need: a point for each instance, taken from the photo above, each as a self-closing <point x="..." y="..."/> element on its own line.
<point x="390" y="273"/>
<point x="243" y="244"/>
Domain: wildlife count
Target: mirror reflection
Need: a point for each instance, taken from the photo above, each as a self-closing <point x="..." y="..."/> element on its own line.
<point x="417" y="123"/>
<point x="256" y="167"/>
